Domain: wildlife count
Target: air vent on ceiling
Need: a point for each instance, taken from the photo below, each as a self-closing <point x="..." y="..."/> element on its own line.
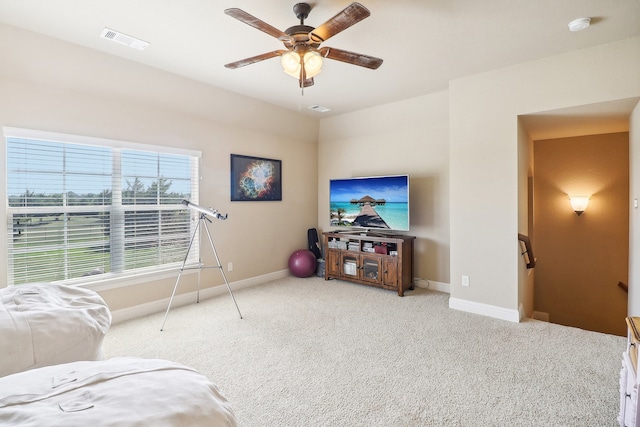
<point x="124" y="39"/>
<point x="319" y="108"/>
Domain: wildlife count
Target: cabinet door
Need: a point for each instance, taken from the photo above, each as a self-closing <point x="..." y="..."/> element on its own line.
<point x="390" y="272"/>
<point x="371" y="269"/>
<point x="332" y="264"/>
<point x="350" y="265"/>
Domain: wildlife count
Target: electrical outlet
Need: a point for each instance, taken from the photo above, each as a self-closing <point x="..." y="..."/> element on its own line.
<point x="230" y="266"/>
<point x="465" y="280"/>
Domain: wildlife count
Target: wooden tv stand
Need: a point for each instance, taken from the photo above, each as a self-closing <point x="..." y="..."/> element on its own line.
<point x="384" y="261"/>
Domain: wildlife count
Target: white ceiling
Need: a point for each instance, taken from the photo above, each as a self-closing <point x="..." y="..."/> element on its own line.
<point x="424" y="43"/>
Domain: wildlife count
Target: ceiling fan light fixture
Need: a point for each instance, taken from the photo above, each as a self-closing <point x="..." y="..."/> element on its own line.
<point x="303" y="56"/>
<point x="312" y="63"/>
<point x="291" y="64"/>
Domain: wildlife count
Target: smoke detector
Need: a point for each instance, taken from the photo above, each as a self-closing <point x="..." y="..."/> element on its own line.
<point x="579" y="24"/>
<point x="124" y="39"/>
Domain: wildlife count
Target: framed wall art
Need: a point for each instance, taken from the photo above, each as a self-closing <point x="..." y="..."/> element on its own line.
<point x="255" y="179"/>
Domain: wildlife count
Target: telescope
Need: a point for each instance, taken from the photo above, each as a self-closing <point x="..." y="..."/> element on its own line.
<point x="207" y="211"/>
<point x="201" y="221"/>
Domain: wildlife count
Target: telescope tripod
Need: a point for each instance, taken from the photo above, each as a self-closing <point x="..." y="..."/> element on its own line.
<point x="202" y="221"/>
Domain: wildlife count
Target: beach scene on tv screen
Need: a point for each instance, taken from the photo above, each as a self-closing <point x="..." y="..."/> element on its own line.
<point x="375" y="202"/>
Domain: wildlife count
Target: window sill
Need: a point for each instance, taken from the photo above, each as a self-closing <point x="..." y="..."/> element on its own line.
<point x="121" y="281"/>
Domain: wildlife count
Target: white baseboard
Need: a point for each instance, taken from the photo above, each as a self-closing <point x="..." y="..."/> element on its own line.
<point x="431" y="284"/>
<point x="485" y="309"/>
<point x="190" y="297"/>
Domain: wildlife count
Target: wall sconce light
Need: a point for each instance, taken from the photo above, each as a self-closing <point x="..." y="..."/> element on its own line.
<point x="579" y="204"/>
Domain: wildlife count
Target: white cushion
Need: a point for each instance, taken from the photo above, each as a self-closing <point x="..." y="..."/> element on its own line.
<point x="118" y="392"/>
<point x="45" y="324"/>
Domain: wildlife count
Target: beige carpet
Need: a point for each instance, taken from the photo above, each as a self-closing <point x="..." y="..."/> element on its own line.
<point x="311" y="352"/>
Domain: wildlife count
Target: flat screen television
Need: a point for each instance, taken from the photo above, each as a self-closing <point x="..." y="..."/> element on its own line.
<point x="375" y="202"/>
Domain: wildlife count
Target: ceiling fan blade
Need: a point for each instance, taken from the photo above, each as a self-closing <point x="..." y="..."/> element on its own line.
<point x="351" y="15"/>
<point x="254" y="59"/>
<point x="351" y="57"/>
<point x="248" y="19"/>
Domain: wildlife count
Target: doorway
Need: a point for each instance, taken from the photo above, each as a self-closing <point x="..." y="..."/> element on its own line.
<point x="581" y="261"/>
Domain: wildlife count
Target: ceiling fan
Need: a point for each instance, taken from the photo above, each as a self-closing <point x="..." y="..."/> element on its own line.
<point x="303" y="55"/>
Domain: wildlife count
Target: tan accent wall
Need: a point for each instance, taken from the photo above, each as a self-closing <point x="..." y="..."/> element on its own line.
<point x="581" y="259"/>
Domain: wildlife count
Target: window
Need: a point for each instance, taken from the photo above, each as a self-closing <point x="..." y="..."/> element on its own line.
<point x="80" y="207"/>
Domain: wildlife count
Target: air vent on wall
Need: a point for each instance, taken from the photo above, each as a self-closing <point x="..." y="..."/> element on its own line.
<point x="124" y="39"/>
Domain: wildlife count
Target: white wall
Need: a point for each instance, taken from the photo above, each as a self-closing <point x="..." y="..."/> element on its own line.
<point x="50" y="85"/>
<point x="526" y="275"/>
<point x="634" y="213"/>
<point x="404" y="137"/>
<point x="460" y="147"/>
<point x="484" y="159"/>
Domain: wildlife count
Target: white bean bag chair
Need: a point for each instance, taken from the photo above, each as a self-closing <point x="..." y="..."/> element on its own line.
<point x="118" y="392"/>
<point x="44" y="324"/>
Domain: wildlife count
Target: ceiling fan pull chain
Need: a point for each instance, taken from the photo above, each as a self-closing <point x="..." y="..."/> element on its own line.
<point x="303" y="75"/>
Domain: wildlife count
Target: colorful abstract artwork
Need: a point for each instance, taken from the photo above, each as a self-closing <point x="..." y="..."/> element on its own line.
<point x="255" y="178"/>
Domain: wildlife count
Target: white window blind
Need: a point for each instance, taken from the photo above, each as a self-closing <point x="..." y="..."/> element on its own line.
<point x="87" y="208"/>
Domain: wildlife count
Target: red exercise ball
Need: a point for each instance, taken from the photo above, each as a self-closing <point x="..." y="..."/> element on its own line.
<point x="302" y="263"/>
